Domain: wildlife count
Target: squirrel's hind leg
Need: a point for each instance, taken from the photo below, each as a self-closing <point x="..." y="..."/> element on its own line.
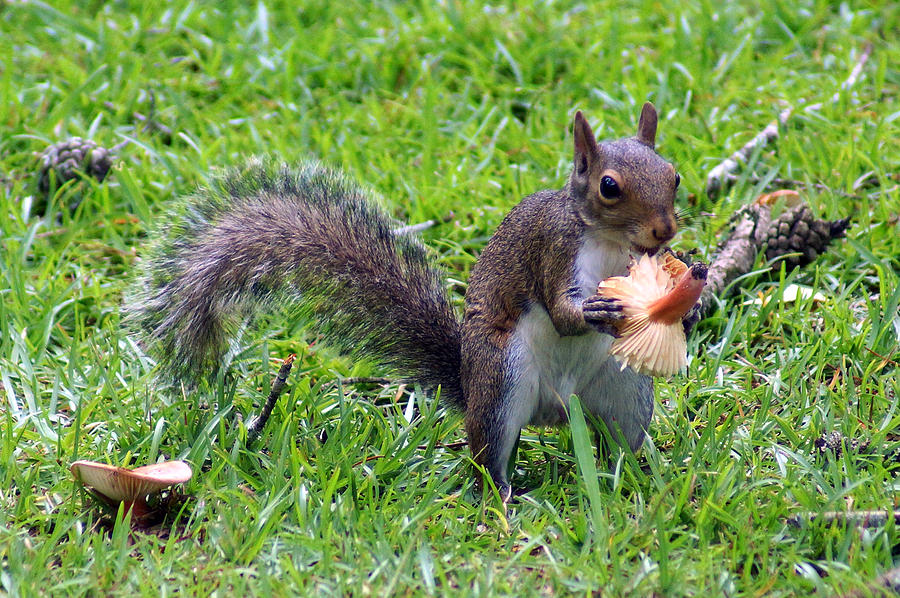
<point x="497" y="408"/>
<point x="622" y="399"/>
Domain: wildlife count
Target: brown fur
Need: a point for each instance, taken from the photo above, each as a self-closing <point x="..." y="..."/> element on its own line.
<point x="308" y="236"/>
<point x="530" y="261"/>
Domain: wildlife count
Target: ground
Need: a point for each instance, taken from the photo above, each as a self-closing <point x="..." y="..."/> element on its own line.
<point x="449" y="111"/>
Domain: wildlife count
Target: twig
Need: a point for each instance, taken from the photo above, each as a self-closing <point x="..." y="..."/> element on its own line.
<point x="422" y="447"/>
<point x="885" y="585"/>
<point x="856" y="72"/>
<point x="861" y="519"/>
<point x="364" y="380"/>
<point x="781" y="183"/>
<point x="719" y="176"/>
<point x="886" y="360"/>
<point x="412" y="229"/>
<point x="722" y="173"/>
<point x="736" y="255"/>
<point x="257" y="423"/>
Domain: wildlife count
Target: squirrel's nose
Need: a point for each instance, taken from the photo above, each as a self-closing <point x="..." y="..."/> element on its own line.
<point x="664" y="230"/>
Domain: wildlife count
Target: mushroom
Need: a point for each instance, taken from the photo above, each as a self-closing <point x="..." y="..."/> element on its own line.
<point x="655" y="296"/>
<point x="131" y="486"/>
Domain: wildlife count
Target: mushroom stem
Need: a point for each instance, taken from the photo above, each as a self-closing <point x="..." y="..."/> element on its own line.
<point x="114" y="485"/>
<point x="671" y="307"/>
<point x="138" y="508"/>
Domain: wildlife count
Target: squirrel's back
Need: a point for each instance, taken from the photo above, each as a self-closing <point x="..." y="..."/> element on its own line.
<point x="306" y="237"/>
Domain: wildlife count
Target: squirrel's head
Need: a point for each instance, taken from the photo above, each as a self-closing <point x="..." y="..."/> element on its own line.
<point x="623" y="189"/>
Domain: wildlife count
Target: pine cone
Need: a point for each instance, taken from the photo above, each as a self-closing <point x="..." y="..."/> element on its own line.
<point x="797" y="231"/>
<point x="752" y="230"/>
<point x="69" y="158"/>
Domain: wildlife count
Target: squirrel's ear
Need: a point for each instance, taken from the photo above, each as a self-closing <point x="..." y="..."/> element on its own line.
<point x="646" y="133"/>
<point x="586" y="150"/>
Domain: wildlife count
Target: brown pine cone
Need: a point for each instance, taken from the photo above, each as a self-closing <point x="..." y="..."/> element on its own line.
<point x="69" y="158"/>
<point x="797" y="231"/>
<point x="752" y="230"/>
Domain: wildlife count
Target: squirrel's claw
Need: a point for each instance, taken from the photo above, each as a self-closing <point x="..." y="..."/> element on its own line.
<point x="602" y="313"/>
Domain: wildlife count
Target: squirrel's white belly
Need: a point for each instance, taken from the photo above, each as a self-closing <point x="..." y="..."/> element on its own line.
<point x="546" y="368"/>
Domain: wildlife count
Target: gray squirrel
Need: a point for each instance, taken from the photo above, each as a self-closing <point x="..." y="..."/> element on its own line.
<point x="534" y="332"/>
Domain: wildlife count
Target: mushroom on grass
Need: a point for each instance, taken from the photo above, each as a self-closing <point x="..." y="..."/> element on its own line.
<point x="130" y="486"/>
<point x="655" y="296"/>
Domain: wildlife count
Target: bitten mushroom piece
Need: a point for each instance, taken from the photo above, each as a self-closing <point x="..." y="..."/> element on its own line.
<point x="655" y="296"/>
<point x="131" y="486"/>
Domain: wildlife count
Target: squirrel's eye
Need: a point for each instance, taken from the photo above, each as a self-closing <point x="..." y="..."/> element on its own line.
<point x="677" y="180"/>
<point x="609" y="188"/>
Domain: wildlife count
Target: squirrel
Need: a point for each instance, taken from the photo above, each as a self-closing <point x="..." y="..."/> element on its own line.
<point x="533" y="333"/>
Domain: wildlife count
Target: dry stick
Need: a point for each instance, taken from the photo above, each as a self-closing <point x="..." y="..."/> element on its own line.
<point x="364" y="380"/>
<point x="861" y="519"/>
<point x="721" y="175"/>
<point x="412" y="229"/>
<point x="257" y="423"/>
<point x="736" y="255"/>
<point x="422" y="447"/>
<point x="887" y="584"/>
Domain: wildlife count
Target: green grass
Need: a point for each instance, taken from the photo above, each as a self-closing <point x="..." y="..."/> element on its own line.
<point x="460" y="108"/>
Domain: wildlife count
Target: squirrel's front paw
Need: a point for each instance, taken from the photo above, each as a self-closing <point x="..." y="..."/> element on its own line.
<point x="603" y="313"/>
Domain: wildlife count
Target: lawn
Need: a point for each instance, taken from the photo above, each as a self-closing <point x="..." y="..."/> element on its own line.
<point x="451" y="112"/>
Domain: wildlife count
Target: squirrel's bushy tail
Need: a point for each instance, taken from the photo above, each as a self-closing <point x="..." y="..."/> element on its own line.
<point x="269" y="233"/>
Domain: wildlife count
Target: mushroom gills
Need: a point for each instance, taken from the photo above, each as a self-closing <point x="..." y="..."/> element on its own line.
<point x="656" y="295"/>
